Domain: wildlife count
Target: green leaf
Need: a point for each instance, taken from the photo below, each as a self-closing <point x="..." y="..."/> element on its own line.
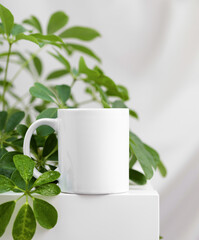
<point x="45" y="213"/>
<point x="19" y="182"/>
<point x="143" y="156"/>
<point x="17" y="29"/>
<point x="118" y="104"/>
<point x="84" y="69"/>
<point x="50" y="144"/>
<point x="34" y="22"/>
<point x="57" y="74"/>
<point x="105" y="104"/>
<point x="154" y="154"/>
<point x="7" y="19"/>
<point x="162" y="169"/>
<point x="2" y="30"/>
<point x="132" y="161"/>
<point x="47" y="113"/>
<point x="6" y="211"/>
<point x="6" y="184"/>
<point x="48" y="39"/>
<point x="22" y="129"/>
<point x="2" y="152"/>
<point x="61" y="59"/>
<point x="13" y="120"/>
<point x="50" y="189"/>
<point x="25" y="224"/>
<point x="45" y="89"/>
<point x="132" y="113"/>
<point x="47" y="177"/>
<point x="30" y="38"/>
<point x="119" y="91"/>
<point x="137" y="177"/>
<point x="57" y="21"/>
<point x="63" y="92"/>
<point x="82" y="33"/>
<point x="38" y="65"/>
<point x="25" y="166"/>
<point x="3" y="118"/>
<point x="6" y="162"/>
<point x="71" y="47"/>
<point x="40" y="91"/>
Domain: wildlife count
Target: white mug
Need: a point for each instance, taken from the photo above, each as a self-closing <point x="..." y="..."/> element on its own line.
<point x="93" y="149"/>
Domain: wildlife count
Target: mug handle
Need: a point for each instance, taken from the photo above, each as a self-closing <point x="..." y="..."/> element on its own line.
<point x="26" y="146"/>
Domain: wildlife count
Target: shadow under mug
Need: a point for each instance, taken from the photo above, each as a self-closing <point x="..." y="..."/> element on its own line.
<point x="93" y="149"/>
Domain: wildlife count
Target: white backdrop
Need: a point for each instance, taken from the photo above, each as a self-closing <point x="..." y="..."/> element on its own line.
<point x="152" y="47"/>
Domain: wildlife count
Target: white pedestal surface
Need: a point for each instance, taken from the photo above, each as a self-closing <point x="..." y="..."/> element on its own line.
<point x="128" y="216"/>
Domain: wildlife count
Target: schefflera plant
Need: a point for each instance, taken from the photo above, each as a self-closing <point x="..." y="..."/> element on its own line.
<point x="22" y="181"/>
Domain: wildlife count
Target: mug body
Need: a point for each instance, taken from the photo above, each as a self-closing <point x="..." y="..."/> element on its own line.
<point x="93" y="150"/>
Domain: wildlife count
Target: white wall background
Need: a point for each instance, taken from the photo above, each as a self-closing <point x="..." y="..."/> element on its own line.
<point x="152" y="47"/>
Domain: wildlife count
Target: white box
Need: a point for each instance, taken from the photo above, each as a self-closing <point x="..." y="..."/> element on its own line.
<point x="129" y="216"/>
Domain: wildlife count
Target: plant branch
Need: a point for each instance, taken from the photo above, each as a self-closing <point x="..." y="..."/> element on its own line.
<point x="5" y="76"/>
<point x="26" y="63"/>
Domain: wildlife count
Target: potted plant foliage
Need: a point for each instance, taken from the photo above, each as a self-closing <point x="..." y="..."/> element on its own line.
<point x="42" y="100"/>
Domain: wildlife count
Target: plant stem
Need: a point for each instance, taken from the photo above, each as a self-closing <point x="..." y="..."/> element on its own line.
<point x="73" y="82"/>
<point x="84" y="102"/>
<point x="25" y="64"/>
<point x="5" y="76"/>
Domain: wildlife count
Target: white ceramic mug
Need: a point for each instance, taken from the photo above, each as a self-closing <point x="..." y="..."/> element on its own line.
<point x="93" y="149"/>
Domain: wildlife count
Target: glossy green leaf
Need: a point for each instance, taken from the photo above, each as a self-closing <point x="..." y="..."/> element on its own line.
<point x="143" y="156"/>
<point x="6" y="184"/>
<point x="63" y="92"/>
<point x="61" y="59"/>
<point x="13" y="120"/>
<point x="50" y="144"/>
<point x="22" y="129"/>
<point x="6" y="211"/>
<point x="2" y="151"/>
<point x="47" y="177"/>
<point x="49" y="189"/>
<point x="25" y="166"/>
<point x="19" y="182"/>
<point x="25" y="224"/>
<point x="137" y="177"/>
<point x="45" y="213"/>
<point x="57" y="74"/>
<point x="17" y="29"/>
<point x="47" y="113"/>
<point x="162" y="169"/>
<point x="3" y="118"/>
<point x="38" y="65"/>
<point x="6" y="162"/>
<point x="57" y="21"/>
<point x="7" y="19"/>
<point x="82" y="33"/>
<point x="34" y="22"/>
<point x="71" y="47"/>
